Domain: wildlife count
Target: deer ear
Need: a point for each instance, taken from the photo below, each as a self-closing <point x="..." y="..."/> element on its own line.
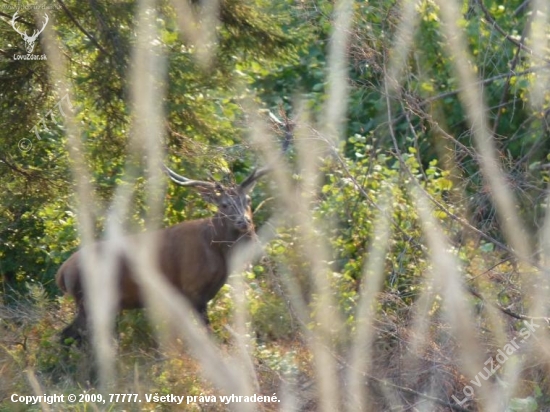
<point x="248" y="184"/>
<point x="248" y="187"/>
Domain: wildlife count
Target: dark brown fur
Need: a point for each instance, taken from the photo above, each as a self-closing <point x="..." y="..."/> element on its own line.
<point x="193" y="256"/>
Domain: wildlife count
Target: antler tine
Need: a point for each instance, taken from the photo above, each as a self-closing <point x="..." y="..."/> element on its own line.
<point x="37" y="32"/>
<point x="45" y="22"/>
<point x="255" y="175"/>
<point x="13" y="19"/>
<point x="184" y="181"/>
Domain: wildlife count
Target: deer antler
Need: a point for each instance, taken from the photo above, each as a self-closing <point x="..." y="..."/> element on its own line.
<point x="29" y="40"/>
<point x="13" y="19"/>
<point x="184" y="181"/>
<point x="36" y="33"/>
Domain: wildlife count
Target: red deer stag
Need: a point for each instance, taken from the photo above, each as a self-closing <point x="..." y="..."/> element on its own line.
<point x="193" y="256"/>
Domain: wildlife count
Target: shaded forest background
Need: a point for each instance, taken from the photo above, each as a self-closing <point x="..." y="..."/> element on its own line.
<point x="402" y="123"/>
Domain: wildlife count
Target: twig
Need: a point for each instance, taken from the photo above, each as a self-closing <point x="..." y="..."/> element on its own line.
<point x="519" y="44"/>
<point x="484" y="82"/>
<point x="384" y="382"/>
<point x="513" y="65"/>
<point x="462" y="222"/>
<point x="504" y="310"/>
<point x="14" y="167"/>
<point x="430" y="197"/>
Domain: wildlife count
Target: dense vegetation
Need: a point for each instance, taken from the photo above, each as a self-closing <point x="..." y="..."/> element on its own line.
<point x="388" y="194"/>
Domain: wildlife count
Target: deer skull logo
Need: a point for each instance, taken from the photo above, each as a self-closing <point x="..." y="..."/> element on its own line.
<point x="29" y="40"/>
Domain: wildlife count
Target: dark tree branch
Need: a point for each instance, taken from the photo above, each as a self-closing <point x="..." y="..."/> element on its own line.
<point x="82" y="29"/>
<point x="487" y="81"/>
<point x="14" y="167"/>
<point x="521" y="7"/>
<point x="18" y="20"/>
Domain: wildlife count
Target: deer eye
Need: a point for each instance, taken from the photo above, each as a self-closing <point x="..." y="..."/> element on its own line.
<point x="224" y="205"/>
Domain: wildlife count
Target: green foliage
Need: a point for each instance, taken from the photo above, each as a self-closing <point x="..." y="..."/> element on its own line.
<point x="270" y="314"/>
<point x="352" y="208"/>
<point x="284" y="363"/>
<point x="37" y="227"/>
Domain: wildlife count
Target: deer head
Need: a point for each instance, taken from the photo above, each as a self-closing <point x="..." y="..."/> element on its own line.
<point x="232" y="201"/>
<point x="29" y="40"/>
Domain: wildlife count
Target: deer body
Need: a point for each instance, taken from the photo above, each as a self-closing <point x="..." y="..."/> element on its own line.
<point x="193" y="256"/>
